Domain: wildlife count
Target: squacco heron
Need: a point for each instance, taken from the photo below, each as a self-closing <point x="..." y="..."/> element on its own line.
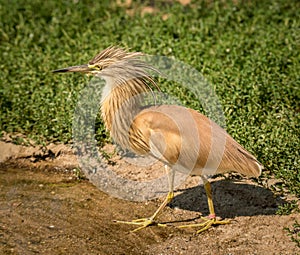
<point x="132" y="125"/>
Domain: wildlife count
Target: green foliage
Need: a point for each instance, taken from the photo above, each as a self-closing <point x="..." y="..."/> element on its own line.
<point x="294" y="232"/>
<point x="249" y="51"/>
<point x="288" y="208"/>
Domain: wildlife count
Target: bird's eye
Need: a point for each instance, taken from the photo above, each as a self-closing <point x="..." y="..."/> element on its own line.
<point x="96" y="67"/>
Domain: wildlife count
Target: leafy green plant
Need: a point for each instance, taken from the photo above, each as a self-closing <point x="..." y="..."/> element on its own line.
<point x="247" y="50"/>
<point x="294" y="232"/>
<point x="288" y="208"/>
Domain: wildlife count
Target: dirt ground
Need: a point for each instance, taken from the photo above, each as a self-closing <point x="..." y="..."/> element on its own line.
<point x="46" y="207"/>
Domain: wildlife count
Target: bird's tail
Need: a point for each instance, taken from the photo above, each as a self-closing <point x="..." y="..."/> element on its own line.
<point x="248" y="164"/>
<point x="238" y="159"/>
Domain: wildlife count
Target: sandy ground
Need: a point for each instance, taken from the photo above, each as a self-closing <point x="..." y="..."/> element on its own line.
<point x="46" y="207"/>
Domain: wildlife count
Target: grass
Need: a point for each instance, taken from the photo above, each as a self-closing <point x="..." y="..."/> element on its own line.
<point x="288" y="208"/>
<point x="294" y="233"/>
<point x="248" y="51"/>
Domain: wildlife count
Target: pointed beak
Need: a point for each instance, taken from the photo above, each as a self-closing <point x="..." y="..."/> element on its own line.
<point x="80" y="68"/>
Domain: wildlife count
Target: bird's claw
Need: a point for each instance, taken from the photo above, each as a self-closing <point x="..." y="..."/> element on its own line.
<point x="208" y="222"/>
<point x="142" y="223"/>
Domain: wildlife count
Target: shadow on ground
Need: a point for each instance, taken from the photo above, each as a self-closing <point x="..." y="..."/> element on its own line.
<point x="231" y="199"/>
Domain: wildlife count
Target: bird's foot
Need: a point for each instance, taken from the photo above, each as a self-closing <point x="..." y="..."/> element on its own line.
<point x="142" y="223"/>
<point x="209" y="221"/>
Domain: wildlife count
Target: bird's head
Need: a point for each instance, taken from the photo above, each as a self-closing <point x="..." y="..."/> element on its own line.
<point x="111" y="57"/>
<point x="118" y="67"/>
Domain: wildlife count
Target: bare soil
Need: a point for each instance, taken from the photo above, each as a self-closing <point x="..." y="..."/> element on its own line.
<point x="46" y="207"/>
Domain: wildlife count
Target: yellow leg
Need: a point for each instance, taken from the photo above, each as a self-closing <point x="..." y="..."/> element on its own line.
<point x="211" y="219"/>
<point x="144" y="222"/>
<point x="211" y="208"/>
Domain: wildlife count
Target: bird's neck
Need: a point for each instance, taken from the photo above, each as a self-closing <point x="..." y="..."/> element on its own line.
<point x="119" y="105"/>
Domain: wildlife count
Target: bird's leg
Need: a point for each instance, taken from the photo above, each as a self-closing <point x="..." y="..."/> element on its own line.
<point x="170" y="196"/>
<point x="144" y="222"/>
<point x="211" y="219"/>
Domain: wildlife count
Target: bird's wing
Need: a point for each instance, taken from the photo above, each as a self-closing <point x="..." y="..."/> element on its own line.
<point x="189" y="141"/>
